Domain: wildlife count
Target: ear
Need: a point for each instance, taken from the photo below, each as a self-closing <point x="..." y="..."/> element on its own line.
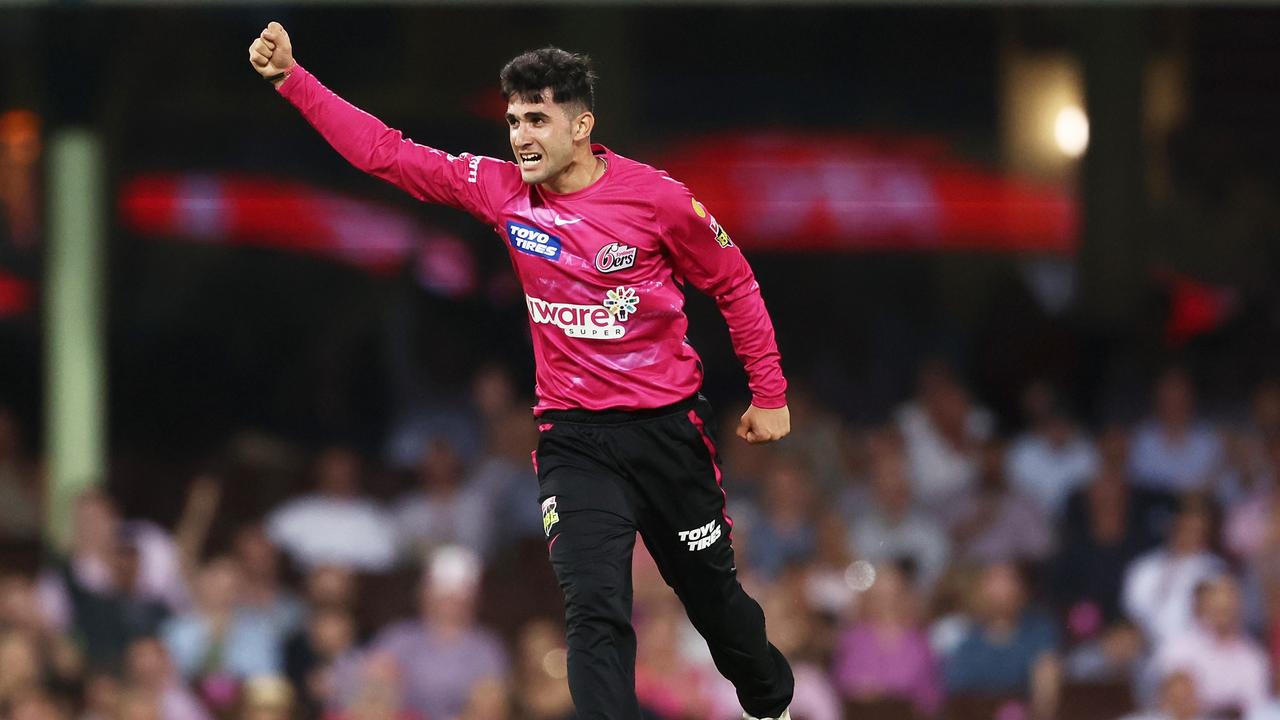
<point x="583" y="125"/>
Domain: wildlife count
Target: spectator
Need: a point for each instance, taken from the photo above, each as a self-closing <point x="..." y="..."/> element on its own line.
<point x="890" y="527"/>
<point x="36" y="705"/>
<point x="506" y="481"/>
<point x="155" y="685"/>
<point x="97" y="528"/>
<point x="443" y="511"/>
<point x="262" y="592"/>
<point x="1159" y="587"/>
<point x="21" y="514"/>
<point x="443" y="653"/>
<point x="1250" y="453"/>
<point x="1010" y="649"/>
<point x="311" y="654"/>
<point x="103" y="697"/>
<point x="943" y="431"/>
<point x="783" y="534"/>
<point x="827" y="583"/>
<point x="380" y="693"/>
<point x="667" y="683"/>
<point x="489" y="701"/>
<point x="1113" y="655"/>
<point x="997" y="523"/>
<point x="1248" y="524"/>
<point x="267" y="698"/>
<point x="1229" y="668"/>
<point x="109" y="620"/>
<point x="791" y="629"/>
<point x="1053" y="458"/>
<point x="217" y="640"/>
<point x="21" y="666"/>
<point x="542" y="673"/>
<point x="1105" y="526"/>
<point x="886" y="653"/>
<point x="138" y="704"/>
<point x="1173" y="450"/>
<point x="1177" y="700"/>
<point x="331" y="586"/>
<point x="335" y="525"/>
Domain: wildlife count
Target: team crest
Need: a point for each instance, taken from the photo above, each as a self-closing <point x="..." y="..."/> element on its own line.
<point x="549" y="515"/>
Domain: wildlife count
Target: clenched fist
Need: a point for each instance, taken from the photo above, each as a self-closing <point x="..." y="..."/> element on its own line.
<point x="763" y="425"/>
<point x="271" y="52"/>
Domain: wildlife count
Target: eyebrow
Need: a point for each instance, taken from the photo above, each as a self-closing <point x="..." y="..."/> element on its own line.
<point x="532" y="115"/>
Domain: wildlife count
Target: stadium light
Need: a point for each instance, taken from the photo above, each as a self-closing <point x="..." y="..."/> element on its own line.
<point x="1071" y="131"/>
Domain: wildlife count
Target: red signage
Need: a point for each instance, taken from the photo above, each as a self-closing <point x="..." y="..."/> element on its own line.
<point x="787" y="192"/>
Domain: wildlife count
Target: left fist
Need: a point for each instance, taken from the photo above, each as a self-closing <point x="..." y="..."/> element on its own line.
<point x="762" y="425"/>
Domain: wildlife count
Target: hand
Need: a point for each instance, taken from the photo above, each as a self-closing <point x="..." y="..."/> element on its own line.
<point x="205" y="495"/>
<point x="762" y="425"/>
<point x="271" y="52"/>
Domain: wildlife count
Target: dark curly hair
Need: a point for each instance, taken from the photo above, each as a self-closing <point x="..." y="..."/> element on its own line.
<point x="569" y="75"/>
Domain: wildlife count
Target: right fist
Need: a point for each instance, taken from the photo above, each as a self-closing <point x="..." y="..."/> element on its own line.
<point x="271" y="53"/>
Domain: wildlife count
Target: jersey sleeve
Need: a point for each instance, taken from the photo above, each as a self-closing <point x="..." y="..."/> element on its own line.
<point x="705" y="256"/>
<point x="468" y="182"/>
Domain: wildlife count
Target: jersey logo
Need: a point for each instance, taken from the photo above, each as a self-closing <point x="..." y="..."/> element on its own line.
<point x="559" y="221"/>
<point x="549" y="515"/>
<point x="596" y="322"/>
<point x="722" y="237"/>
<point x="614" y="257"/>
<point x="701" y="538"/>
<point x="532" y="241"/>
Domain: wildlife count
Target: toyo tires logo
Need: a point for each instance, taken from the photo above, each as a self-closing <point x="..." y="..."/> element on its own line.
<point x="533" y="241"/>
<point x="600" y="322"/>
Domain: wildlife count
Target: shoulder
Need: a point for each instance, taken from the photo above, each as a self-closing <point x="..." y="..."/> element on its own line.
<point x="664" y="192"/>
<point x="499" y="178"/>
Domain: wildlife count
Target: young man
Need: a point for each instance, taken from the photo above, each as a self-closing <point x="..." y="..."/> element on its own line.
<point x="602" y="245"/>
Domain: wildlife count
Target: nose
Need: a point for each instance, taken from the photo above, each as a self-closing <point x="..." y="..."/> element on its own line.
<point x="517" y="136"/>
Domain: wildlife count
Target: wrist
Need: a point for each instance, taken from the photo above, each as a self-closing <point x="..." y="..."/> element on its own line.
<point x="771" y="402"/>
<point x="278" y="79"/>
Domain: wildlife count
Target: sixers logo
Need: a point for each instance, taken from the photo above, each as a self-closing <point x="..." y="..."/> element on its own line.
<point x="533" y="241"/>
<point x="614" y="257"/>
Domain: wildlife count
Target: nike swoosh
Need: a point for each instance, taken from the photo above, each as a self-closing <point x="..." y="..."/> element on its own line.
<point x="560" y="221"/>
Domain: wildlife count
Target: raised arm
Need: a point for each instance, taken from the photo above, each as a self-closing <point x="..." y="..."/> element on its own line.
<point x="468" y="182"/>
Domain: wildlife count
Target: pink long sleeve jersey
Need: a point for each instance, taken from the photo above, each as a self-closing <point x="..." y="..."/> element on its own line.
<point x="602" y="268"/>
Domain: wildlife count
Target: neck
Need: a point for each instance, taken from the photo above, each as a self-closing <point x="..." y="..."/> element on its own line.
<point x="582" y="172"/>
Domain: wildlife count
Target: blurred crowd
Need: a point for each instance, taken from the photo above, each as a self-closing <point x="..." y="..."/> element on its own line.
<point x="942" y="564"/>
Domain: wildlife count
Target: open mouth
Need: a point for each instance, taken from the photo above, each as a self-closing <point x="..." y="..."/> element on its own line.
<point x="530" y="159"/>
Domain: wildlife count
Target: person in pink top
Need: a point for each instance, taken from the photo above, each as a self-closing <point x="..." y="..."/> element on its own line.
<point x="603" y="247"/>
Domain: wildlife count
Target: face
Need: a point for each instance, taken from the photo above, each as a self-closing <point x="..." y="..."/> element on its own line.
<point x="543" y="135"/>
<point x="1175" y="398"/>
<point x="441" y="468"/>
<point x="218" y="584"/>
<point x="1191" y="531"/>
<point x="331" y="585"/>
<point x="1179" y="696"/>
<point x="338" y="472"/>
<point x="96" y="523"/>
<point x="19" y="659"/>
<point x="255" y="552"/>
<point x="892" y="488"/>
<point x="1220" y="606"/>
<point x="1001" y="591"/>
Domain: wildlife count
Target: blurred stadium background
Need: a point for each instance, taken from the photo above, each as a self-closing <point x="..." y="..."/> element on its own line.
<point x="264" y="425"/>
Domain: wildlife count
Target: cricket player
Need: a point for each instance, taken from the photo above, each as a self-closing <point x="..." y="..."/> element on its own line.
<point x="603" y="246"/>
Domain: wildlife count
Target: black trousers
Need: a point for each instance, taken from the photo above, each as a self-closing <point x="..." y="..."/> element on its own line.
<point x="605" y="476"/>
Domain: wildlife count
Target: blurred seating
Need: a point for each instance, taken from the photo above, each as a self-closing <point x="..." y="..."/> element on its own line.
<point x="879" y="709"/>
<point x="976" y="706"/>
<point x="1094" y="701"/>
